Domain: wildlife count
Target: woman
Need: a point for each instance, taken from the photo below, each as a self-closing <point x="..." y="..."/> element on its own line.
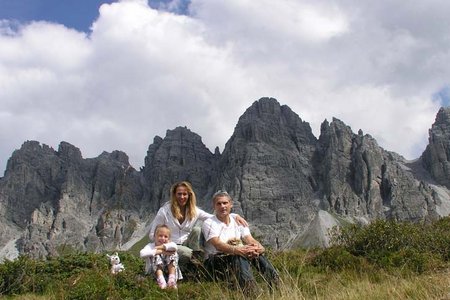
<point x="180" y="214"/>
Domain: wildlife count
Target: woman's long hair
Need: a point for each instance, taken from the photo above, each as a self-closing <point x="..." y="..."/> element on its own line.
<point x="190" y="210"/>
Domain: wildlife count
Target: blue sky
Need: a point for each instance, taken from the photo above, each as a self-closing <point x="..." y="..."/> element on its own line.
<point x="443" y="96"/>
<point x="111" y="75"/>
<point x="77" y="14"/>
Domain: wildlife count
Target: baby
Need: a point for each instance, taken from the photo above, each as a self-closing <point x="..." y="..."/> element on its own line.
<point x="160" y="257"/>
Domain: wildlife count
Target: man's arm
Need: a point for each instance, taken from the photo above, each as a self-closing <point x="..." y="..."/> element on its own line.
<point x="221" y="246"/>
<point x="246" y="251"/>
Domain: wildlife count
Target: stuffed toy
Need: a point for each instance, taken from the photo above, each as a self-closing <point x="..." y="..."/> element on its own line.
<point x="116" y="265"/>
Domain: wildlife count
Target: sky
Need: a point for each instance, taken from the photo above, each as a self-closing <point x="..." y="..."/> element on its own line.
<point x="112" y="75"/>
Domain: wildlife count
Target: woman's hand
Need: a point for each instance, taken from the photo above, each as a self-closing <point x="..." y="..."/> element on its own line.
<point x="240" y="220"/>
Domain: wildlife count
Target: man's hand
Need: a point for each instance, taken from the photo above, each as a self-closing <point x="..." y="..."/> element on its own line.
<point x="248" y="251"/>
<point x="255" y="247"/>
<point x="258" y="248"/>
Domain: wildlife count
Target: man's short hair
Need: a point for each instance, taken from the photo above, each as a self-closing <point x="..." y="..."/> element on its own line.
<point x="221" y="193"/>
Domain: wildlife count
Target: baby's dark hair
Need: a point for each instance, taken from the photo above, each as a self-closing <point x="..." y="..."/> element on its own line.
<point x="160" y="226"/>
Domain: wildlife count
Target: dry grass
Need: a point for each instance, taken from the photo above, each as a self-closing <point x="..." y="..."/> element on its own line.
<point x="347" y="285"/>
<point x="333" y="286"/>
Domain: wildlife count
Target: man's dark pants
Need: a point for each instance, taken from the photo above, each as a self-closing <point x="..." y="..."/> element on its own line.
<point x="237" y="268"/>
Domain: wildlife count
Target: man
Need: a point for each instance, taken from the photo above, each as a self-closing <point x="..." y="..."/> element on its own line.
<point x="231" y="249"/>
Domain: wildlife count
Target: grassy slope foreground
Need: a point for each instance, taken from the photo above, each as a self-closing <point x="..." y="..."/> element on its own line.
<point x="385" y="260"/>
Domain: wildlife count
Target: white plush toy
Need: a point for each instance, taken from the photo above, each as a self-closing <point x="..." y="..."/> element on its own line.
<point x="116" y="265"/>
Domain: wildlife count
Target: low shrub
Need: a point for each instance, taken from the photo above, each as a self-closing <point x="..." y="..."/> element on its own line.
<point x="76" y="273"/>
<point x="415" y="246"/>
<point x="15" y="276"/>
<point x="338" y="258"/>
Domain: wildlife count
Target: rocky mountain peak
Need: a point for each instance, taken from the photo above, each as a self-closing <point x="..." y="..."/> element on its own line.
<point x="29" y="152"/>
<point x="436" y="157"/>
<point x="443" y="118"/>
<point x="266" y="167"/>
<point x="68" y="152"/>
<point x="117" y="156"/>
<point x="180" y="155"/>
<point x="335" y="135"/>
<point x="266" y="120"/>
<point x="180" y="143"/>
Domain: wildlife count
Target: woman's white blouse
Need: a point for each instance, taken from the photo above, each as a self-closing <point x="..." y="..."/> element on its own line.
<point x="179" y="232"/>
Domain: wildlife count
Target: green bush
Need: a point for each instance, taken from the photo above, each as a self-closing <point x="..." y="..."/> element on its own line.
<point x="411" y="260"/>
<point x="379" y="237"/>
<point x="88" y="285"/>
<point x="76" y="274"/>
<point x="439" y="238"/>
<point x="13" y="275"/>
<point x="291" y="261"/>
<point x="415" y="246"/>
<point x="337" y="258"/>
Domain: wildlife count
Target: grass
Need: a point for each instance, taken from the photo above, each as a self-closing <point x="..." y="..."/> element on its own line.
<point x="139" y="245"/>
<point x="300" y="280"/>
<point x="330" y="287"/>
<point x="403" y="268"/>
<point x="347" y="285"/>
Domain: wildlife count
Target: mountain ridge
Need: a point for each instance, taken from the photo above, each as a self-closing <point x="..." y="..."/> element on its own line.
<point x="286" y="182"/>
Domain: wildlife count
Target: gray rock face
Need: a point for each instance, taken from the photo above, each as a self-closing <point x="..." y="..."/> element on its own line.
<point x="266" y="167"/>
<point x="181" y="155"/>
<point x="58" y="199"/>
<point x="436" y="157"/>
<point x="360" y="179"/>
<point x="290" y="185"/>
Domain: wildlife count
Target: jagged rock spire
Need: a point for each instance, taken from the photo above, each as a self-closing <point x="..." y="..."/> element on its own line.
<point x="436" y="157"/>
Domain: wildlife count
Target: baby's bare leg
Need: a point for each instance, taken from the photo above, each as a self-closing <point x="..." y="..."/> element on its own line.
<point x="171" y="268"/>
<point x="159" y="272"/>
<point x="172" y="283"/>
<point x="160" y="278"/>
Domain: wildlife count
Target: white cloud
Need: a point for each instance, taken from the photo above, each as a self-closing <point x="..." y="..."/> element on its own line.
<point x="268" y="20"/>
<point x="143" y="71"/>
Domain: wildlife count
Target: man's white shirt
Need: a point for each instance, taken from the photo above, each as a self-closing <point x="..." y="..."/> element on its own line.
<point x="213" y="227"/>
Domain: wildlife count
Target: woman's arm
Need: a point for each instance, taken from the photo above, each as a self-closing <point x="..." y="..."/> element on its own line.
<point x="203" y="215"/>
<point x="240" y="220"/>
